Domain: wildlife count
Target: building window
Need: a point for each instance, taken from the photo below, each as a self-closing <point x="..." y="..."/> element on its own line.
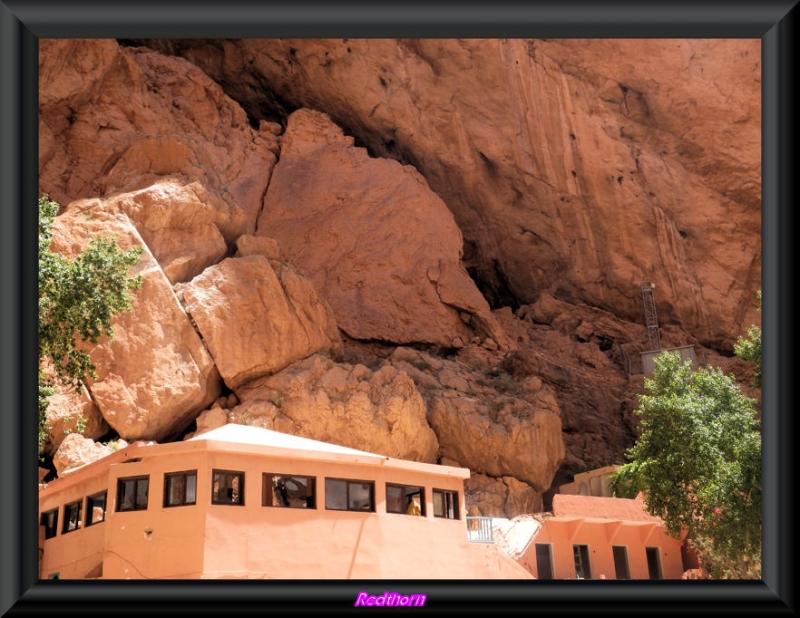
<point x="288" y="490"/>
<point x="72" y="516"/>
<point x="180" y="488"/>
<point x="227" y="487"/>
<point x="96" y="508"/>
<point x="50" y="523"/>
<point x="653" y="562"/>
<point x="621" y="562"/>
<point x="406" y="499"/>
<point x="583" y="569"/>
<point x="132" y="493"/>
<point x="445" y="504"/>
<point x="345" y="495"/>
<point x="544" y="561"/>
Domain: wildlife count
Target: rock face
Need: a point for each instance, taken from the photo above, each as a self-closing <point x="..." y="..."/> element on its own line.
<point x="500" y="497"/>
<point x="76" y="451"/>
<point x="378" y="244"/>
<point x="573" y="167"/>
<point x="156" y="375"/>
<point x="278" y="317"/>
<point x="180" y="223"/>
<point x="430" y="249"/>
<point x="485" y="421"/>
<point x="72" y="412"/>
<point x="377" y="411"/>
<point x="114" y="119"/>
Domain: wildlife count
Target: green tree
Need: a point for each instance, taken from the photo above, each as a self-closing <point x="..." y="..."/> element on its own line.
<point x="749" y="348"/>
<point x="698" y="462"/>
<point x="77" y="300"/>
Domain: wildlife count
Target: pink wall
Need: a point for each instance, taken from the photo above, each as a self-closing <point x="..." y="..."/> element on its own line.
<point x="253" y="541"/>
<point x="561" y="535"/>
<point x="79" y="553"/>
<point x="161" y="542"/>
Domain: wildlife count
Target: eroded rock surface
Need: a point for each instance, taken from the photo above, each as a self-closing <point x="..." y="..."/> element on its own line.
<point x="256" y="320"/>
<point x="378" y="244"/>
<point x="576" y="167"/>
<point x="156" y="375"/>
<point x="440" y="258"/>
<point x="351" y="405"/>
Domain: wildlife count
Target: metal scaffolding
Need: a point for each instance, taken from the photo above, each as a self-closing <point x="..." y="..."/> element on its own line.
<point x="651" y="321"/>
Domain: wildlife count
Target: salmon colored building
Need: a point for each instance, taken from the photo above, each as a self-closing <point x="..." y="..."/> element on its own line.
<point x="588" y="537"/>
<point x="244" y="502"/>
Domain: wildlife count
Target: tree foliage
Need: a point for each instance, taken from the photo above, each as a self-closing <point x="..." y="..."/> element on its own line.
<point x="698" y="462"/>
<point x="77" y="299"/>
<point x="749" y="348"/>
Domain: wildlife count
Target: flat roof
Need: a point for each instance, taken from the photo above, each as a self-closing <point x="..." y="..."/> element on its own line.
<point x="247" y="434"/>
<point x="234" y="436"/>
<point x="595" y="508"/>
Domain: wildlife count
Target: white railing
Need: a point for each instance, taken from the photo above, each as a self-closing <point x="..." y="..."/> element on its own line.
<point x="479" y="529"/>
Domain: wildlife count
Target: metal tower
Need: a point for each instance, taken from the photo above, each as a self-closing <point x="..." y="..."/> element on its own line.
<point x="651" y="321"/>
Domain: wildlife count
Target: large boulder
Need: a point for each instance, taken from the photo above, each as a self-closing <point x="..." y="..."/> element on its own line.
<point x="156" y="375"/>
<point x="76" y="451"/>
<point x="72" y="411"/>
<point x="256" y="319"/>
<point x="378" y="244"/>
<point x="116" y="120"/>
<point x="376" y="411"/>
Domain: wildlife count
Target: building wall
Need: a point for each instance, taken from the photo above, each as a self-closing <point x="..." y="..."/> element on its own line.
<point x="160" y="542"/>
<point x="562" y="535"/>
<point x="208" y="540"/>
<point x="273" y="542"/>
<point x="78" y="553"/>
<point x="593" y="483"/>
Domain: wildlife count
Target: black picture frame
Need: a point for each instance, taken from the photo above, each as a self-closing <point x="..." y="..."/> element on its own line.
<point x="23" y="22"/>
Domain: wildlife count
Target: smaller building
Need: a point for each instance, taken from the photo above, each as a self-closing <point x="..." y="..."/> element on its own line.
<point x="588" y="537"/>
<point x="687" y="352"/>
<point x="592" y="483"/>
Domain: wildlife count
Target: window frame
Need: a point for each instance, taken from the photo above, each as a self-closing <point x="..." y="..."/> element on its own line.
<point x="136" y="506"/>
<point x="236" y="475"/>
<point x="403" y="510"/>
<point x="268" y="494"/>
<point x="90" y="504"/>
<point x="348" y="483"/>
<point x="69" y="509"/>
<point x="185" y="474"/>
<point x="50" y="528"/>
<point x="455" y="503"/>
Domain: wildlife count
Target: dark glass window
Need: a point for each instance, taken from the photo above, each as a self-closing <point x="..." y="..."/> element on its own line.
<point x="132" y="493"/>
<point x="227" y="487"/>
<point x="50" y="523"/>
<point x="406" y="499"/>
<point x="544" y="561"/>
<point x="654" y="562"/>
<point x="72" y="516"/>
<point x="621" y="562"/>
<point x="583" y="569"/>
<point x="445" y="504"/>
<point x="288" y="490"/>
<point x="96" y="508"/>
<point x="180" y="488"/>
<point x="349" y="495"/>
